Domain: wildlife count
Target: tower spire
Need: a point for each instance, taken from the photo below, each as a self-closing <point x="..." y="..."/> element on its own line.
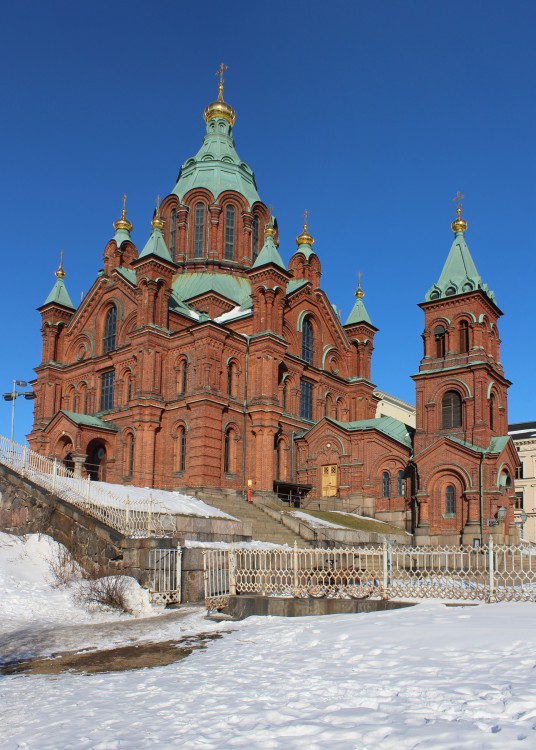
<point x="459" y="224"/>
<point x="220" y="108"/>
<point x="305" y="238"/>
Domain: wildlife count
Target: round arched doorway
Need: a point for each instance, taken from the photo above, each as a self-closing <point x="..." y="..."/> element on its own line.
<point x="96" y="461"/>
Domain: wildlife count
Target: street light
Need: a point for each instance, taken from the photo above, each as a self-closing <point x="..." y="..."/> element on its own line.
<point x="501" y="512"/>
<point x="13" y="396"/>
<point x="520" y="523"/>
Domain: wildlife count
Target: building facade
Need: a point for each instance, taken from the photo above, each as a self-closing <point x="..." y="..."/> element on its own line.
<point x="524" y="436"/>
<point x="204" y="361"/>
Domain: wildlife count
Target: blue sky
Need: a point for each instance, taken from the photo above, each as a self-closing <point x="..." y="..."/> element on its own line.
<point x="371" y="115"/>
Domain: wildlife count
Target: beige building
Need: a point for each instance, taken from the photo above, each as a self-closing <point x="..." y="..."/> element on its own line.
<point x="390" y="406"/>
<point x="524" y="437"/>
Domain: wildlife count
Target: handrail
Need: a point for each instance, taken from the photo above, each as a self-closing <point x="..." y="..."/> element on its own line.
<point x="134" y="518"/>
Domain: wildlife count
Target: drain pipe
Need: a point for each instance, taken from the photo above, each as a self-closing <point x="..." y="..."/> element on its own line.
<point x="244" y="412"/>
<point x="292" y="471"/>
<point x="481" y="498"/>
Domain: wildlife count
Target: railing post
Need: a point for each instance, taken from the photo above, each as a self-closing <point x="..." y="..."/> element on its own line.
<point x="54" y="475"/>
<point x="385" y="566"/>
<point x="232" y="572"/>
<point x="295" y="569"/>
<point x="491" y="559"/>
<point x="24" y="461"/>
<point x="88" y="488"/>
<point x="150" y="514"/>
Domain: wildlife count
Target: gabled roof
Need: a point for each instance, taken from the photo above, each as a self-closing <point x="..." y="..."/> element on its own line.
<point x="358" y="313"/>
<point x="389" y="426"/>
<point x="87" y="420"/>
<point x="269" y="254"/>
<point x="156" y="246"/>
<point x="237" y="289"/>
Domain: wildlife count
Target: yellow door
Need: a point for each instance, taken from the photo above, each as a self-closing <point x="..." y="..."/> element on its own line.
<point x="329" y="480"/>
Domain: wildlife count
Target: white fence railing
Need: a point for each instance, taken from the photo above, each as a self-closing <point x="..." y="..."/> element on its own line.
<point x="491" y="573"/>
<point x="134" y="518"/>
<point x="165" y="575"/>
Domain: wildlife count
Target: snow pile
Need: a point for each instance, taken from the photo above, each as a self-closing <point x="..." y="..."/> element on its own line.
<point x="316" y="523"/>
<point x="236" y="545"/>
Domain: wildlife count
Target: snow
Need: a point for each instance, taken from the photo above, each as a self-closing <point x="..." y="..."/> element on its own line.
<point x="316" y="522"/>
<point x="164" y="501"/>
<point x="424" y="677"/>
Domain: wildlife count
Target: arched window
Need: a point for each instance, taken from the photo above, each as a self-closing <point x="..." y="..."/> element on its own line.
<point x="183" y="378"/>
<point x="278" y="462"/>
<point x="307" y="351"/>
<point x="199" y="230"/>
<point x="229" y="232"/>
<point x="229" y="451"/>
<point x="130" y="455"/>
<point x="110" y="326"/>
<point x="451" y="410"/>
<point x="107" y="390"/>
<point x="327" y="404"/>
<point x="386" y="484"/>
<point x="181" y="448"/>
<point x="464" y="336"/>
<point x="255" y="237"/>
<point x="492" y="411"/>
<point x="440" y="337"/>
<point x="128" y="388"/>
<point x="306" y="400"/>
<point x="232" y="378"/>
<point x="172" y="232"/>
<point x="284" y="395"/>
<point x="450" y="500"/>
<point x="401" y="484"/>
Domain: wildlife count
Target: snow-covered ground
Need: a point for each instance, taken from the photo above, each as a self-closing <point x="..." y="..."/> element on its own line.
<point x="428" y="676"/>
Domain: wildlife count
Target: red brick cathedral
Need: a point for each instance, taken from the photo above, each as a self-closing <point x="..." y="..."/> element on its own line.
<point x="204" y="361"/>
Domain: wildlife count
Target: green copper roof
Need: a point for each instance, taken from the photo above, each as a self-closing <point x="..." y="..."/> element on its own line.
<point x="59" y="295"/>
<point x="295" y="284"/>
<point x="128" y="273"/>
<point x="88" y="421"/>
<point x="217" y="166"/>
<point x="237" y="289"/>
<point x="496" y="445"/>
<point x="459" y="274"/>
<point x="390" y="426"/>
<point x="156" y="246"/>
<point x="120" y="236"/>
<point x="269" y="254"/>
<point x="306" y="249"/>
<point x="358" y="313"/>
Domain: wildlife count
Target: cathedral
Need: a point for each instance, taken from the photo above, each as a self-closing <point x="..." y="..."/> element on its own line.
<point x="203" y="362"/>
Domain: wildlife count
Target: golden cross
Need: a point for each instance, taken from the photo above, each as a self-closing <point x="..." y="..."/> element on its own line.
<point x="125" y="202"/>
<point x="221" y="71"/>
<point x="359" y="275"/>
<point x="305" y="216"/>
<point x="157" y="202"/>
<point x="458" y="197"/>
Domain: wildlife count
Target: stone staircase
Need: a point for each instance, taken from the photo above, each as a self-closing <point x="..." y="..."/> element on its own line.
<point x="263" y="527"/>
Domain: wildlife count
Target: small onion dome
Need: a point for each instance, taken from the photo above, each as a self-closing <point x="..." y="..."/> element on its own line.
<point x="157" y="222"/>
<point x="219" y="108"/>
<point x="60" y="273"/>
<point x="123" y="222"/>
<point x="269" y="229"/>
<point x="304" y="238"/>
<point x="459" y="224"/>
<point x="360" y="293"/>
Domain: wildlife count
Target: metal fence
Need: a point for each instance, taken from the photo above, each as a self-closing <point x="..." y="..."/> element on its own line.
<point x="134" y="518"/>
<point x="165" y="575"/>
<point x="490" y="573"/>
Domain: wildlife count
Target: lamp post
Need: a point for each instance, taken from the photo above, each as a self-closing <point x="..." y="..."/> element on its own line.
<point x="13" y="396"/>
<point x="520" y="523"/>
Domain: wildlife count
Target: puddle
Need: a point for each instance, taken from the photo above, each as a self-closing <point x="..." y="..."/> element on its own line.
<point x="120" y="659"/>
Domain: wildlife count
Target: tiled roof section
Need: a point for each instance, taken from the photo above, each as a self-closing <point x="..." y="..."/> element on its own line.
<point x="88" y="420"/>
<point x="496" y="445"/>
<point x="295" y="284"/>
<point x="156" y="246"/>
<point x="358" y="314"/>
<point x="389" y="426"/>
<point x="459" y="274"/>
<point x="522" y="430"/>
<point x="59" y="295"/>
<point x="128" y="273"/>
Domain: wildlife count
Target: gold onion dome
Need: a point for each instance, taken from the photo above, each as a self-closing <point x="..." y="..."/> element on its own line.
<point x="269" y="229"/>
<point x="158" y="221"/>
<point x="359" y="293"/>
<point x="60" y="273"/>
<point x="459" y="224"/>
<point x="123" y="222"/>
<point x="219" y="108"/>
<point x="304" y="238"/>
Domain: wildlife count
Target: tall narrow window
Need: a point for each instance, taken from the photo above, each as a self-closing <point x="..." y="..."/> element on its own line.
<point x="181" y="462"/>
<point x="451" y="410"/>
<point x="284" y="395"/>
<point x="307" y="341"/>
<point x="183" y="377"/>
<point x="129" y="386"/>
<point x="107" y="390"/>
<point x="440" y="336"/>
<point x="492" y="411"/>
<point x="229" y="451"/>
<point x="386" y="484"/>
<point x="464" y="336"/>
<point x="306" y="400"/>
<point x="229" y="233"/>
<point x="110" y="326"/>
<point x="130" y="455"/>
<point x="199" y="230"/>
<point x="450" y="500"/>
<point x="231" y="380"/>
<point x="172" y="232"/>
<point x="401" y="484"/>
<point x="255" y="238"/>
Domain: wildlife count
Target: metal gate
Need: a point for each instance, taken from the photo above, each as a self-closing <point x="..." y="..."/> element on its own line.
<point x="165" y="575"/>
<point x="216" y="575"/>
